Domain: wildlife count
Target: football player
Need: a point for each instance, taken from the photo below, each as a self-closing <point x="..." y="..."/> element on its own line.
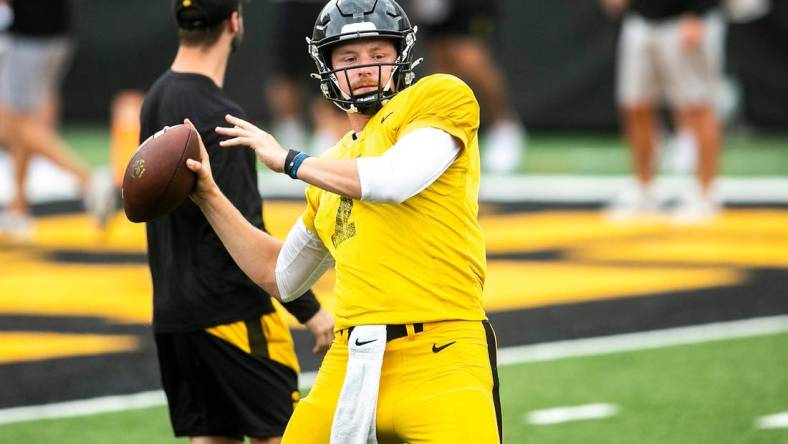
<point x="394" y="207"/>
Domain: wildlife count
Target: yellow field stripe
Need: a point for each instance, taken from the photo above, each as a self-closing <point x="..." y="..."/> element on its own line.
<point x="523" y="232"/>
<point x="693" y="249"/>
<point x="33" y="346"/>
<point x="517" y="285"/>
<point x="118" y="292"/>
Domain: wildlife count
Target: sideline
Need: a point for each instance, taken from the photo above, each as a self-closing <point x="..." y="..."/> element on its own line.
<point x="506" y="356"/>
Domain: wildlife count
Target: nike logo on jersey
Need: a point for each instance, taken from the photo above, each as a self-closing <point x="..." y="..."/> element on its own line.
<point x="383" y="119"/>
<point x="436" y="349"/>
<point x="360" y="343"/>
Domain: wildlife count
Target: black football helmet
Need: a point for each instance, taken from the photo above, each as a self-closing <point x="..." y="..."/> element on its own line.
<point x="346" y="20"/>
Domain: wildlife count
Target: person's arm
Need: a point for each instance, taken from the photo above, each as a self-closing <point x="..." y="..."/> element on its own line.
<point x="302" y="260"/>
<point x="253" y="250"/>
<point x="412" y="164"/>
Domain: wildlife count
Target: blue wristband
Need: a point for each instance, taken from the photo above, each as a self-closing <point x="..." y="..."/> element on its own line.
<point x="297" y="161"/>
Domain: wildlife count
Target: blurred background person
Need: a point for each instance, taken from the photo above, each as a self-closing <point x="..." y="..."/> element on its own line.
<point x="39" y="51"/>
<point x="669" y="51"/>
<point x="301" y="118"/>
<point x="458" y="34"/>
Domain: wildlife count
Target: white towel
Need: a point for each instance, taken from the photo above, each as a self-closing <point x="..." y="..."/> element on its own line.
<point x="354" y="418"/>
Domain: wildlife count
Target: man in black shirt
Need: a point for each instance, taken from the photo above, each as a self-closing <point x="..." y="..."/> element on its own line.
<point x="669" y="50"/>
<point x="226" y="356"/>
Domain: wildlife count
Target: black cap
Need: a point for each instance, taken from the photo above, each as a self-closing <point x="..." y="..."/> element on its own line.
<point x="194" y="14"/>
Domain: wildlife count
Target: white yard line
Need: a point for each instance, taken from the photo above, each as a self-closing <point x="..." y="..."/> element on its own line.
<point x="506" y="356"/>
<point x="83" y="407"/>
<point x="557" y="415"/>
<point x="642" y="341"/>
<point x="776" y="421"/>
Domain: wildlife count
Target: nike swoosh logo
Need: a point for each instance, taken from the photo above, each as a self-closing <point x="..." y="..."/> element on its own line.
<point x="436" y="349"/>
<point x="360" y="343"/>
<point x="383" y="119"/>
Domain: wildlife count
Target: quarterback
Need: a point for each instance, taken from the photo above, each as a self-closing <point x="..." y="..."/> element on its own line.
<point x="394" y="207"/>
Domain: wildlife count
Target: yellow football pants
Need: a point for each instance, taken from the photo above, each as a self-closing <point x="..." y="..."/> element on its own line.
<point x="437" y="386"/>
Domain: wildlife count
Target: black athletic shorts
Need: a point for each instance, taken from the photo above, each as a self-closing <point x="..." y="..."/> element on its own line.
<point x="214" y="388"/>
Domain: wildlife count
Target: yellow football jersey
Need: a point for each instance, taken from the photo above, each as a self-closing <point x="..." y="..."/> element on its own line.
<point x="422" y="260"/>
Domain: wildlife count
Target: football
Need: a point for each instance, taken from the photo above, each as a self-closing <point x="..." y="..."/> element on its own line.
<point x="157" y="179"/>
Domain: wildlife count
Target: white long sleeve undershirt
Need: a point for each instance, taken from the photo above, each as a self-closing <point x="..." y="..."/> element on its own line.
<point x="404" y="170"/>
<point x="408" y="167"/>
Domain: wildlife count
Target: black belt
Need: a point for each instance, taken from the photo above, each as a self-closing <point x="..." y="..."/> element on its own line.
<point x="396" y="331"/>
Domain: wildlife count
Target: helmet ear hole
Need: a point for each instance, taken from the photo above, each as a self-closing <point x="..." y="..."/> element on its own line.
<point x="362" y="19"/>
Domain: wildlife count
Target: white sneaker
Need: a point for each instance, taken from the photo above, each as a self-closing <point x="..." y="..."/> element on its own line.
<point x="100" y="200"/>
<point x="696" y="209"/>
<point x="16" y="226"/>
<point x="504" y="148"/>
<point x="634" y="202"/>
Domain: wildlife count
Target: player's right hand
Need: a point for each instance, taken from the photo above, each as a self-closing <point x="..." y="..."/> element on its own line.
<point x="205" y="185"/>
<point x="243" y="133"/>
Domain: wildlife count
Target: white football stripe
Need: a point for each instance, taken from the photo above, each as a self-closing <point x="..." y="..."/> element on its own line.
<point x="83" y="407"/>
<point x="776" y="421"/>
<point x="643" y="341"/>
<point x="558" y="415"/>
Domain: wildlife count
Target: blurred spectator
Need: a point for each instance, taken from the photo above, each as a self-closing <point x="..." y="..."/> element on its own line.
<point x="458" y="34"/>
<point x="290" y="78"/>
<point x="669" y="50"/>
<point x="39" y="50"/>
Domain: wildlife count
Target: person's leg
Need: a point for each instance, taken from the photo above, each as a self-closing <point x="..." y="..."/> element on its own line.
<point x="37" y="137"/>
<point x="637" y="90"/>
<point x="470" y="59"/>
<point x="704" y="124"/>
<point x="640" y="128"/>
<point x="693" y="75"/>
<point x="441" y="386"/>
<point x="21" y="159"/>
<point x="313" y="416"/>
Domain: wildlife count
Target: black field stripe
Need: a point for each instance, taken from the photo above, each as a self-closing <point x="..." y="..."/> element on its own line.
<point x="492" y="352"/>
<point x="258" y="346"/>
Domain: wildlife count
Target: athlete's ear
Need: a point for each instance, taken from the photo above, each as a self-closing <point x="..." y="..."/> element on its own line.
<point x="235" y="22"/>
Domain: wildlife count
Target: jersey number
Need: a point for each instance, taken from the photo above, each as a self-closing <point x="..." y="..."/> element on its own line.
<point x="343" y="230"/>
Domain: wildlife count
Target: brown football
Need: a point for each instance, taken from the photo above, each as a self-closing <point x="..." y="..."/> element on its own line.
<point x="157" y="179"/>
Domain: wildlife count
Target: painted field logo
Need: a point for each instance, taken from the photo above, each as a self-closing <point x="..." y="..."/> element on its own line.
<point x="138" y="169"/>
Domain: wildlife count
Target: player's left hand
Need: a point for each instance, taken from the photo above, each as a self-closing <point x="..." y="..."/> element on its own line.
<point x="264" y="145"/>
<point x="691" y="29"/>
<point x="321" y="325"/>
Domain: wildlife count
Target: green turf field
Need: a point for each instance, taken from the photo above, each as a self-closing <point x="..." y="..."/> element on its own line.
<point x="703" y="393"/>
<point x="581" y="154"/>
